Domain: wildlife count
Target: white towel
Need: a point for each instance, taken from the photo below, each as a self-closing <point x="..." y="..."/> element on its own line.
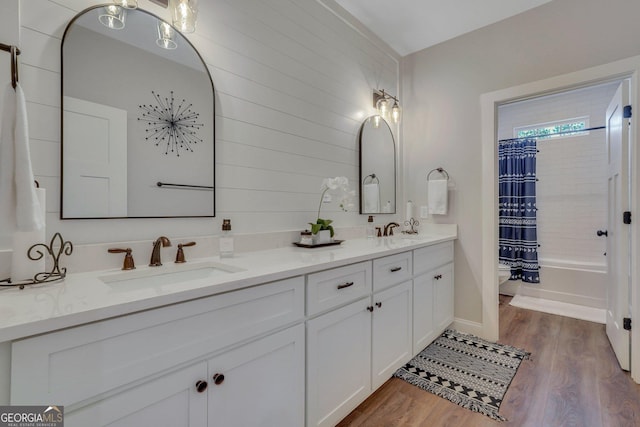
<point x="371" y="198"/>
<point x="19" y="206"/>
<point x="437" y="196"/>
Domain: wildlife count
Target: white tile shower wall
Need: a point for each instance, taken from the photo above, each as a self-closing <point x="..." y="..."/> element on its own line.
<point x="293" y="82"/>
<point x="571" y="191"/>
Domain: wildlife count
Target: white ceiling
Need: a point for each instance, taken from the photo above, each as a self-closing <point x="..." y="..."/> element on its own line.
<point x="411" y="25"/>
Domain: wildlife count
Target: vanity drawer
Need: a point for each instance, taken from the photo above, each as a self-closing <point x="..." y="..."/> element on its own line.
<point x="391" y="270"/>
<point x="430" y="257"/>
<point x="72" y="365"/>
<point x="331" y="288"/>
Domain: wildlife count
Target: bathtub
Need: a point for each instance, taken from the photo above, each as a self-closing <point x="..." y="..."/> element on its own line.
<point x="565" y="281"/>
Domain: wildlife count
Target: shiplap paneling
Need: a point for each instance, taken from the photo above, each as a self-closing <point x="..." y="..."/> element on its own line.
<point x="293" y="82"/>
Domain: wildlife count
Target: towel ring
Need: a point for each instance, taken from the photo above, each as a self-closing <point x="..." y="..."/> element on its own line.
<point x="440" y="170"/>
<point x="372" y="176"/>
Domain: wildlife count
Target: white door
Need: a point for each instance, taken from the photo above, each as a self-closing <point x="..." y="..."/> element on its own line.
<point x="338" y="363"/>
<point x="260" y="384"/>
<point x="392" y="327"/>
<point x="174" y="399"/>
<point x="618" y="290"/>
<point x="95" y="160"/>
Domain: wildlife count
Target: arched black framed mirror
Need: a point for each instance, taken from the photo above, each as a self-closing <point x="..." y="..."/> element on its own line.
<point x="377" y="167"/>
<point x="138" y="132"/>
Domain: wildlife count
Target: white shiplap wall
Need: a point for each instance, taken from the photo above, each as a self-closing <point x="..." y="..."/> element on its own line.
<point x="293" y="82"/>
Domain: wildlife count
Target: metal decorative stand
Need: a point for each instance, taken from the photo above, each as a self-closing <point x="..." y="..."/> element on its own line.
<point x="412" y="223"/>
<point x="36" y="253"/>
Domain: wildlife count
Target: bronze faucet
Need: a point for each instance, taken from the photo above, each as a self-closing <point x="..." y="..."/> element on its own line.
<point x="155" y="253"/>
<point x="180" y="254"/>
<point x="128" y="263"/>
<point x="388" y="229"/>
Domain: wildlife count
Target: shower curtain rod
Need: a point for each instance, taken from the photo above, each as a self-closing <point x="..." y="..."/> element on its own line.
<point x="552" y="134"/>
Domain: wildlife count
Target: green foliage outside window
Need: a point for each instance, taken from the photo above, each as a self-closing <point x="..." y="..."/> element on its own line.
<point x="572" y="128"/>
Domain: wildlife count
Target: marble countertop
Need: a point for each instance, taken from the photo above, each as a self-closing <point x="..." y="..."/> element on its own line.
<point x="88" y="297"/>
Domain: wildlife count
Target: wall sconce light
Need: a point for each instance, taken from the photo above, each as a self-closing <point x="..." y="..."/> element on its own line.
<point x="185" y="14"/>
<point x="113" y="17"/>
<point x="382" y="103"/>
<point x="127" y="4"/>
<point x="166" y="36"/>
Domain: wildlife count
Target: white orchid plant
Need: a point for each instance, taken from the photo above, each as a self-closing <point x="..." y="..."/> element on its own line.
<point x="339" y="184"/>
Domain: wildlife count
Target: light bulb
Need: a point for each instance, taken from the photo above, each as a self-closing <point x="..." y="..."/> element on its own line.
<point x="113" y="17"/>
<point x="376" y="122"/>
<point x="166" y="34"/>
<point x="185" y="13"/>
<point x="127" y="4"/>
<point x="395" y="112"/>
<point x="383" y="107"/>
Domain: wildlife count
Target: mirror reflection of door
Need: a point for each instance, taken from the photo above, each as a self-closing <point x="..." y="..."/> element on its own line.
<point x="95" y="151"/>
<point x="377" y="167"/>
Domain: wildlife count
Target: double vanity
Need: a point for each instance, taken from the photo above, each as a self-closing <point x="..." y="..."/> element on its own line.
<point x="286" y="337"/>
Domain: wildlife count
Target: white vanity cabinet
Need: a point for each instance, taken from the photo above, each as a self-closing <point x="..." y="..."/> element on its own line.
<point x="257" y="384"/>
<point x="432" y="293"/>
<point x="392" y="315"/>
<point x="392" y="323"/>
<point x="352" y="350"/>
<point x="338" y="342"/>
<point x="302" y="351"/>
<point x="152" y="367"/>
<point x="260" y="384"/>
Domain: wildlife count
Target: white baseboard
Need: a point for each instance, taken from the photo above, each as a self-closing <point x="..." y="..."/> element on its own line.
<point x="468" y="327"/>
<point x="575" y="311"/>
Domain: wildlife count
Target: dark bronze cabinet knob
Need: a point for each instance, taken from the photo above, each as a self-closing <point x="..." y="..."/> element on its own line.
<point x="370" y="308"/>
<point x="201" y="386"/>
<point x="378" y="304"/>
<point x="218" y="379"/>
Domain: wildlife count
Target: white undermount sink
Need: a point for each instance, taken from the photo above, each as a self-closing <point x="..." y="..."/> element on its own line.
<point x="168" y="274"/>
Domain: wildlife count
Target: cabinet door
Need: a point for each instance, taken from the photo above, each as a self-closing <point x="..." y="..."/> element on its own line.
<point x="338" y="363"/>
<point x="424" y="330"/>
<point x="169" y="400"/>
<point x="260" y="383"/>
<point x="443" y="297"/>
<point x="392" y="324"/>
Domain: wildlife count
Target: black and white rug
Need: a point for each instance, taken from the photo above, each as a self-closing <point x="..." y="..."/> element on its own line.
<point x="465" y="370"/>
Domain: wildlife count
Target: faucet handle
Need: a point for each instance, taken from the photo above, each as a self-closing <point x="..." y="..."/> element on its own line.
<point x="379" y="231"/>
<point x="180" y="254"/>
<point x="128" y="263"/>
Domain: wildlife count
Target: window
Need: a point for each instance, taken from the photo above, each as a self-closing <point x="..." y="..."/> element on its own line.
<point x="559" y="129"/>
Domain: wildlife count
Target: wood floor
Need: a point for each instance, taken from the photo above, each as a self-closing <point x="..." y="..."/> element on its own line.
<point x="572" y="379"/>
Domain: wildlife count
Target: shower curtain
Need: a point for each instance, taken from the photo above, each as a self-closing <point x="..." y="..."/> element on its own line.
<point x="517" y="208"/>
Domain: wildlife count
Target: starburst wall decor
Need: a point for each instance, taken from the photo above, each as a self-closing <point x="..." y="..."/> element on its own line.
<point x="170" y="126"/>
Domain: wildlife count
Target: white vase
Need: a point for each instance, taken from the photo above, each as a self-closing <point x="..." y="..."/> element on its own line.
<point x="322" y="237"/>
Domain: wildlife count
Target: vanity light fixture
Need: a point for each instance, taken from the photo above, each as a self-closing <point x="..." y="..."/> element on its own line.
<point x="113" y="17"/>
<point x="382" y="101"/>
<point x="127" y="4"/>
<point x="166" y="36"/>
<point x="185" y="14"/>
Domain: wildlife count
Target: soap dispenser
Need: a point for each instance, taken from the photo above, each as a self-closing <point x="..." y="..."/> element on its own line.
<point x="226" y="240"/>
<point x="370" y="228"/>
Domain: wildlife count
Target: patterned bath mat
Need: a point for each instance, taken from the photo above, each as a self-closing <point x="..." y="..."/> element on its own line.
<point x="465" y="370"/>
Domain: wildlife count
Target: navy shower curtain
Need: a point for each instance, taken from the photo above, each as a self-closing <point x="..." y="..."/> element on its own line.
<point x="517" y="208"/>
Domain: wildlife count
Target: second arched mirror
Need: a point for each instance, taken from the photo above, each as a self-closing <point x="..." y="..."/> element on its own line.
<point x="377" y="167"/>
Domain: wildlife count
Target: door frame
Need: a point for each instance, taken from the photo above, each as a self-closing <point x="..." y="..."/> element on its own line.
<point x="489" y="102"/>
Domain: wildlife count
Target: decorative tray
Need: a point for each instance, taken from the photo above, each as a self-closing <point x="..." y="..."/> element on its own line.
<point x="319" y="245"/>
